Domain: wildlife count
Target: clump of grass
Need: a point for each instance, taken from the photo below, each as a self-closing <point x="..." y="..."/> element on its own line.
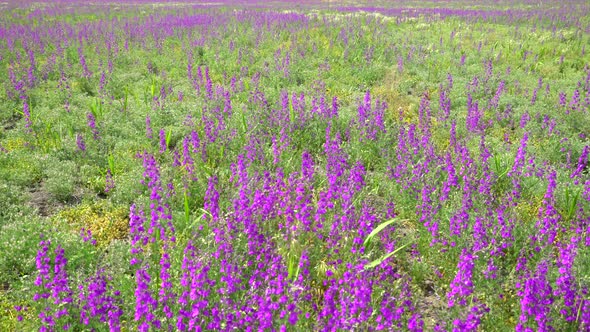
<point x="61" y="180"/>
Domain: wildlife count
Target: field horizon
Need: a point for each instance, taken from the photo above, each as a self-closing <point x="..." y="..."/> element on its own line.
<point x="295" y="166"/>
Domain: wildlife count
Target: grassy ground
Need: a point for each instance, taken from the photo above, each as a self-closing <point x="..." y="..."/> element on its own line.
<point x="451" y="127"/>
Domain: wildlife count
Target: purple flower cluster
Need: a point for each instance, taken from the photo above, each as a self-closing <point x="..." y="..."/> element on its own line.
<point x="53" y="289"/>
<point x="536" y="298"/>
<point x="98" y="300"/>
<point x="462" y="284"/>
<point x="371" y="118"/>
<point x="279" y="244"/>
<point x="92" y="125"/>
<point x="80" y="143"/>
<point x="109" y="181"/>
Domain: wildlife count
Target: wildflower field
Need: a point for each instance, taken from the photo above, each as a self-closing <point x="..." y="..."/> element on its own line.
<point x="295" y="166"/>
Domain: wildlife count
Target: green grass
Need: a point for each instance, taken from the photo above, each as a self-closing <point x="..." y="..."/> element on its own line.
<point x="49" y="186"/>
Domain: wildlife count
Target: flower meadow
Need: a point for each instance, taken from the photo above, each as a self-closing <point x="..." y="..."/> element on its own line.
<point x="294" y="166"/>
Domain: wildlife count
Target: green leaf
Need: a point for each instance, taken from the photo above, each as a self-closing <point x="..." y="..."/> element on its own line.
<point x="291" y="268"/>
<point x="126" y="101"/>
<point x="200" y="218"/>
<point x="96" y="108"/>
<point x="111" y="162"/>
<point x="571" y="198"/>
<point x="186" y="207"/>
<point x="291" y="113"/>
<point x="377" y="230"/>
<point x="153" y="87"/>
<point x="168" y="137"/>
<point x="244" y="125"/>
<point x="383" y="258"/>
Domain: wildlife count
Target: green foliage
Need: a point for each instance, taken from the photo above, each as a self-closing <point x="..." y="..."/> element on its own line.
<point x="105" y="222"/>
<point x="377" y="230"/>
<point x="13" y="204"/>
<point x="20" y="238"/>
<point x="49" y="185"/>
<point x="61" y="179"/>
<point x="381" y="259"/>
<point x="20" y="168"/>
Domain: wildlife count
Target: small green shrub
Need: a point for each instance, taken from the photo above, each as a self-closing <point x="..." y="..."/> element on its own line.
<point x="61" y="180"/>
<point x="104" y="221"/>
